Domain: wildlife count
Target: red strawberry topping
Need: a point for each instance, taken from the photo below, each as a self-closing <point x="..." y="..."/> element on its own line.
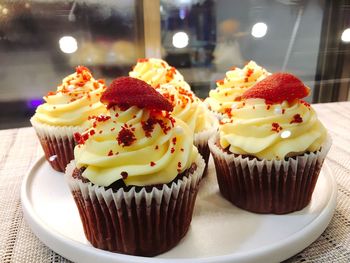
<point x="126" y="92"/>
<point x="277" y="88"/>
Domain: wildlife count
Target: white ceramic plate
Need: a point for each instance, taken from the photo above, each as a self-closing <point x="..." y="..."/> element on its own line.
<point x="219" y="231"/>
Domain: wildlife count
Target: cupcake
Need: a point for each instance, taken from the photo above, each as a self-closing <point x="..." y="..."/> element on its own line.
<point x="190" y="109"/>
<point x="136" y="173"/>
<point x="229" y="90"/>
<point x="269" y="152"/>
<point x="65" y="112"/>
<point x="156" y="72"/>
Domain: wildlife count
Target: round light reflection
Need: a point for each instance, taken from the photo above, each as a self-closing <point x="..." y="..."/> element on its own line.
<point x="180" y="40"/>
<point x="68" y="44"/>
<point x="259" y="30"/>
<point x="286" y="134"/>
<point x="345" y="36"/>
<point x="5" y="11"/>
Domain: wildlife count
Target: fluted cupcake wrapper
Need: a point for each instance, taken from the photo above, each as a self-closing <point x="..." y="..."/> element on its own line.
<point x="137" y="223"/>
<point x="201" y="142"/>
<point x="268" y="186"/>
<point x="57" y="142"/>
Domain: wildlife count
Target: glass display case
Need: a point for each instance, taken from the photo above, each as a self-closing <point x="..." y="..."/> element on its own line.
<point x="43" y="41"/>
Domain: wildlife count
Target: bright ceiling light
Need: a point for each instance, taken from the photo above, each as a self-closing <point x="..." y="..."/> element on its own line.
<point x="5" y="11"/>
<point x="259" y="30"/>
<point x="68" y="44"/>
<point x="345" y="36"/>
<point x="180" y="40"/>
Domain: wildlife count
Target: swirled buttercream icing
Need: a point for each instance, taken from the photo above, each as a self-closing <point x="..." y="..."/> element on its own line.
<point x="75" y="99"/>
<point x="137" y="142"/>
<point x="187" y="107"/>
<point x="156" y="72"/>
<point x="235" y="83"/>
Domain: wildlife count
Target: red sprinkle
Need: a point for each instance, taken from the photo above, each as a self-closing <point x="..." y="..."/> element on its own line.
<point x="148" y="126"/>
<point x="141" y="60"/>
<point x="220" y="82"/>
<point x="152" y="163"/>
<point x="102" y="118"/>
<point x="276" y="127"/>
<point x="296" y="119"/>
<point x="249" y="72"/>
<point x="80" y="138"/>
<point x="239" y="98"/>
<point x="81" y="69"/>
<point x="126" y="137"/>
<point x="51" y="93"/>
<point x="92" y="132"/>
<point x="172" y="150"/>
<point x="179" y="164"/>
<point x="305" y="103"/>
<point x="228" y="112"/>
<point x="170" y="74"/>
<point x="124" y="175"/>
<point x="110" y="153"/>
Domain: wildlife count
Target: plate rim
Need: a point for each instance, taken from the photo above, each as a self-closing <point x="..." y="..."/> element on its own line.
<point x="67" y="247"/>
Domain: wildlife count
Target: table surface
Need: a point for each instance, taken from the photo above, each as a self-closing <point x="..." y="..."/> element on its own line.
<point x="19" y="149"/>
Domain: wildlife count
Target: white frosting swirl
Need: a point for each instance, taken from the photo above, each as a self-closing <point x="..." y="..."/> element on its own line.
<point x="156" y="72"/>
<point x="140" y="146"/>
<point x="236" y="82"/>
<point x="75" y="99"/>
<point x="272" y="131"/>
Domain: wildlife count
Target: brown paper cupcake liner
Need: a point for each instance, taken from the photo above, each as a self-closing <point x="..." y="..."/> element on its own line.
<point x="139" y="223"/>
<point x="268" y="186"/>
<point x="57" y="142"/>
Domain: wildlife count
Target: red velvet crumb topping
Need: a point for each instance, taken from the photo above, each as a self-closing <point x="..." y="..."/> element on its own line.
<point x="276" y="127"/>
<point x="126" y="136"/>
<point x="124" y="175"/>
<point x="296" y="119"/>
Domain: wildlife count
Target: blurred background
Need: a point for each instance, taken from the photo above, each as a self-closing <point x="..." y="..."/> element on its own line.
<point x="42" y="41"/>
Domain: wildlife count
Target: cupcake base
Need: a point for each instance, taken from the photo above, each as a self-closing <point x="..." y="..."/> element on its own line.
<point x="136" y="221"/>
<point x="263" y="186"/>
<point x="57" y="142"/>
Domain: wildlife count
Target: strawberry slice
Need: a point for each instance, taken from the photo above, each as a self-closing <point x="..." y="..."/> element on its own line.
<point x="127" y="92"/>
<point x="277" y="88"/>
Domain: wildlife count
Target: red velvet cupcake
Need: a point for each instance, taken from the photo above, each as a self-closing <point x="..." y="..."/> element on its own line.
<point x="269" y="152"/>
<point x="136" y="173"/>
<point x="65" y="112"/>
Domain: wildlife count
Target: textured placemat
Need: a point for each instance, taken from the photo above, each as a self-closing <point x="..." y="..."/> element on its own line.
<point x="19" y="148"/>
